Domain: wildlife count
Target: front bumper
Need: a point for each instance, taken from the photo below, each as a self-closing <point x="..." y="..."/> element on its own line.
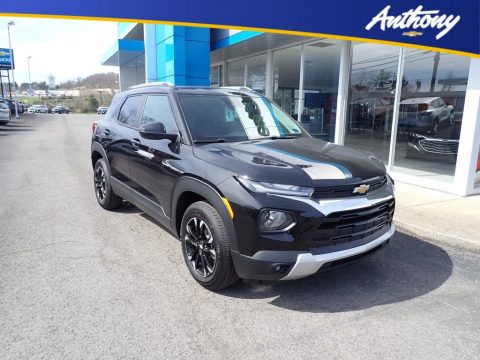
<point x="308" y="264"/>
<point x="271" y="265"/>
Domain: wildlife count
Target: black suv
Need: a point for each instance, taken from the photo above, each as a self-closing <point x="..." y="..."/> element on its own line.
<point x="247" y="190"/>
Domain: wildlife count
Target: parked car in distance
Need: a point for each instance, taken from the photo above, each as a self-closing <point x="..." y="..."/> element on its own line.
<point x="246" y="189"/>
<point x="102" y="110"/>
<point x="424" y="114"/>
<point x="39" y="109"/>
<point x="61" y="109"/>
<point x="10" y="104"/>
<point x="5" y="114"/>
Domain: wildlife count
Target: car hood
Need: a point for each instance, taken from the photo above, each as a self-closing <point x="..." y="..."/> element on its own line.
<point x="303" y="161"/>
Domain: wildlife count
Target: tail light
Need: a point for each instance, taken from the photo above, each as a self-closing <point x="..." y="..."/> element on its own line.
<point x="94" y="127"/>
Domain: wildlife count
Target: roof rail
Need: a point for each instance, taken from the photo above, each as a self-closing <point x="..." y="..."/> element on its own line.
<point x="241" y="88"/>
<point x="159" y="83"/>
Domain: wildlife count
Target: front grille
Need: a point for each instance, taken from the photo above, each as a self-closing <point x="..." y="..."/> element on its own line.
<point x="354" y="225"/>
<point x="331" y="192"/>
<point x="440" y="146"/>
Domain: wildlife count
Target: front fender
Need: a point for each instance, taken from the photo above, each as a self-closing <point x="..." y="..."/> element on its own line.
<point x="212" y="195"/>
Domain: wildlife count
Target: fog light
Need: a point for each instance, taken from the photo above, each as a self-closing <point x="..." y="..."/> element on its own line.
<point x="275" y="221"/>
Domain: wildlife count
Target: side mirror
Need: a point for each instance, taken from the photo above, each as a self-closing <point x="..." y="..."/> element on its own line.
<point x="156" y="131"/>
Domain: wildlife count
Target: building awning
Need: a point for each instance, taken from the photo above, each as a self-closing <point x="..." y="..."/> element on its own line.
<point x="122" y="51"/>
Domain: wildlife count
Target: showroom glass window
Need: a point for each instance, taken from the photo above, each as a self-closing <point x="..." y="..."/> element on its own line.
<point x="216" y="76"/>
<point x="257" y="72"/>
<point x="371" y="97"/>
<point x="236" y="73"/>
<point x="320" y="85"/>
<point x="286" y="79"/>
<point x="430" y="115"/>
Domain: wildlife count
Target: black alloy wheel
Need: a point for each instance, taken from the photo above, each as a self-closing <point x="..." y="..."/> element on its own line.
<point x="200" y="247"/>
<point x="103" y="191"/>
<point x="206" y="247"/>
<point x="100" y="184"/>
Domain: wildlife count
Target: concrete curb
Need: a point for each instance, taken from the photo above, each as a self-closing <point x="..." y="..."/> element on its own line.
<point x="436" y="237"/>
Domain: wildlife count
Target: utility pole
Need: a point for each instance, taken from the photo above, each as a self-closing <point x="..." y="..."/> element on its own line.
<point x="11" y="23"/>
<point x="29" y="79"/>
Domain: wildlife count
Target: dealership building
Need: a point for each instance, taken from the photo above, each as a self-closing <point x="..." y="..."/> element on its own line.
<point x="415" y="109"/>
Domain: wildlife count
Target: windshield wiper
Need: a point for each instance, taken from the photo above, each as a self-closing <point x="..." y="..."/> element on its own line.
<point x="209" y="141"/>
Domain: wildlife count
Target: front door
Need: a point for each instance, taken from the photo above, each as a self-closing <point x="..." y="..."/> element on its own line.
<point x="153" y="162"/>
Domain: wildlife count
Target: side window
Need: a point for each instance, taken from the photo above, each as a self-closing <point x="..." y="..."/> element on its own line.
<point x="157" y="109"/>
<point x="128" y="112"/>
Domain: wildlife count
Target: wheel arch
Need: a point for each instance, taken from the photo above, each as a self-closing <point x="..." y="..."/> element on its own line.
<point x="189" y="190"/>
<point x="98" y="152"/>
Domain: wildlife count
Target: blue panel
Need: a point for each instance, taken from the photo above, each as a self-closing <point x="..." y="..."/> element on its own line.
<point x="197" y="60"/>
<point x="197" y="34"/>
<point x="150" y="52"/>
<point x="112" y="55"/>
<point x="235" y="38"/>
<point x="166" y="57"/>
<point x="182" y="55"/>
<point x="163" y="32"/>
<point x="192" y="81"/>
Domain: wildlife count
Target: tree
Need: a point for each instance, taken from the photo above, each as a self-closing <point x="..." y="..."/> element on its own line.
<point x="92" y="103"/>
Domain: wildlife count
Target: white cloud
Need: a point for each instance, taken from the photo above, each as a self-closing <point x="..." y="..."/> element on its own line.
<point x="66" y="48"/>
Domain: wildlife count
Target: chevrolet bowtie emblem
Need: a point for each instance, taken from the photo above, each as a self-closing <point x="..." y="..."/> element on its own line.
<point x="412" y="33"/>
<point x="362" y="189"/>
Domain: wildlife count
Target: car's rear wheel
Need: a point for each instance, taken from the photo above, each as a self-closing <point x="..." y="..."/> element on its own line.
<point x="206" y="247"/>
<point x="103" y="189"/>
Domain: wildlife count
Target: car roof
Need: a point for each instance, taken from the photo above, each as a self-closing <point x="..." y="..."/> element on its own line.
<point x="197" y="90"/>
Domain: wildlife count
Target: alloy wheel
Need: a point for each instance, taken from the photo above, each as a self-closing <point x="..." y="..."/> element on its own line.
<point x="200" y="247"/>
<point x="100" y="184"/>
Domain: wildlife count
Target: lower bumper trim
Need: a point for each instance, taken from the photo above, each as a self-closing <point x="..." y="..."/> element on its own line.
<point x="308" y="264"/>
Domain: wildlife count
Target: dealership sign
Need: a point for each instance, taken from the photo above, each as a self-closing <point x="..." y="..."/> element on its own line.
<point x="415" y="19"/>
<point x="441" y="26"/>
<point x="6" y="59"/>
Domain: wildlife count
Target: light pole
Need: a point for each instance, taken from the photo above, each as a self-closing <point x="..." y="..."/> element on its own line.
<point x="11" y="23"/>
<point x="29" y="79"/>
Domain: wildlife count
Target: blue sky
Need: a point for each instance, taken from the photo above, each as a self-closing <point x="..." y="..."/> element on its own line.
<point x="66" y="48"/>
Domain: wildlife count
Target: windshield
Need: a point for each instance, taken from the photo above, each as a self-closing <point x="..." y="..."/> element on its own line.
<point x="236" y="118"/>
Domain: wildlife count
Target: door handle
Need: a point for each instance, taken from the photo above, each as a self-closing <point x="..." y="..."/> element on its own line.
<point x="136" y="142"/>
<point x="106" y="132"/>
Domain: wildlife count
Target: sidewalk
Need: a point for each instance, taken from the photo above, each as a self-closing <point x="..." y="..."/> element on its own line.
<point x="438" y="217"/>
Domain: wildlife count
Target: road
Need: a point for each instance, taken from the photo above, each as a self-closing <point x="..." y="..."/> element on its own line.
<point x="79" y="282"/>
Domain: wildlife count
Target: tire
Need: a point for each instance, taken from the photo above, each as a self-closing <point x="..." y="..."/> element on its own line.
<point x="198" y="243"/>
<point x="103" y="190"/>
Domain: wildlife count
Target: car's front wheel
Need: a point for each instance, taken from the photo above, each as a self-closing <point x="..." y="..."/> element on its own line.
<point x="103" y="190"/>
<point x="206" y="247"/>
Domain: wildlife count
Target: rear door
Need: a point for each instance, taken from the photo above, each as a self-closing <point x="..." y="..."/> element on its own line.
<point x="120" y="132"/>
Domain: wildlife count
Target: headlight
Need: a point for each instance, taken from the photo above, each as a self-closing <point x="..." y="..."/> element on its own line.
<point x="275" y="221"/>
<point x="278" y="189"/>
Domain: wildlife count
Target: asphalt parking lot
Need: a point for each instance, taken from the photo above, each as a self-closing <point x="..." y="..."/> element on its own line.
<point x="79" y="282"/>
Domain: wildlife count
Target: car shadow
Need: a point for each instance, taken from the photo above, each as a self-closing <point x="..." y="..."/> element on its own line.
<point x="405" y="269"/>
<point x="15" y="128"/>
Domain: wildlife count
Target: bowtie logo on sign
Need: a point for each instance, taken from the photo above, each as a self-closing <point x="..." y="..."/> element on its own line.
<point x="415" y="19"/>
